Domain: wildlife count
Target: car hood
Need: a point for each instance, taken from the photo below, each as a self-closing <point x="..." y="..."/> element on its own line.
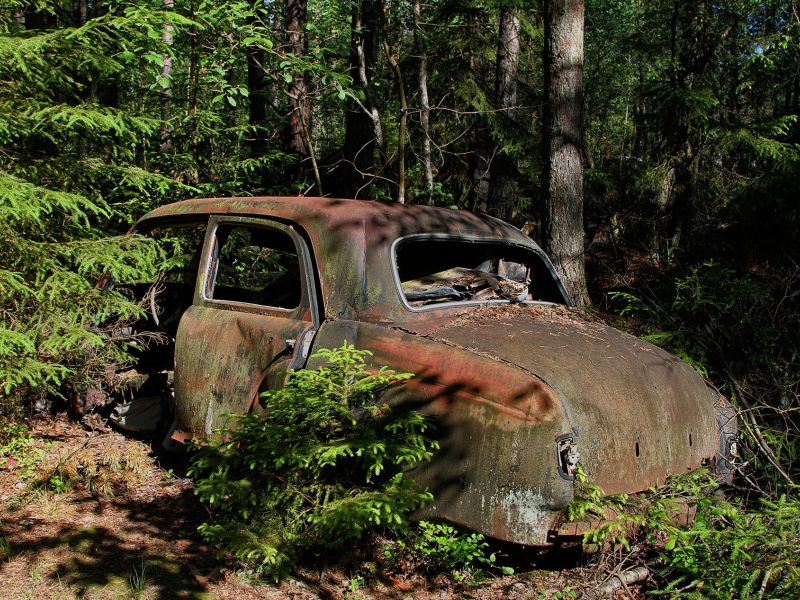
<point x="637" y="414"/>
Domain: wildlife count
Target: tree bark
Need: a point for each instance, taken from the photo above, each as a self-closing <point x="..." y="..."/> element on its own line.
<point x="299" y="108"/>
<point x="403" y="125"/>
<point x="80" y="12"/>
<point x="366" y="49"/>
<point x="425" y="106"/>
<point x="563" y="180"/>
<point x="353" y="169"/>
<point x="503" y="186"/>
<point x="256" y="100"/>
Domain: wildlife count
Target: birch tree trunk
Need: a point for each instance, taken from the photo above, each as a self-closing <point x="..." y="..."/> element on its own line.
<point x="256" y="100"/>
<point x="349" y="173"/>
<point x="563" y="180"/>
<point x="425" y="105"/>
<point x="394" y="63"/>
<point x="167" y="34"/>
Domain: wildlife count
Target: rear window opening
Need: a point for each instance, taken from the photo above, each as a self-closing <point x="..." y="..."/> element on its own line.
<point x="439" y="271"/>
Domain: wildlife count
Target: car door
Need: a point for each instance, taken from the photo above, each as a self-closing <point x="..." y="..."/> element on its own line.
<point x="253" y="318"/>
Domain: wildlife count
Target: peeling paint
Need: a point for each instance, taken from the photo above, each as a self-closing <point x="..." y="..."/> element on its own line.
<point x="524" y="510"/>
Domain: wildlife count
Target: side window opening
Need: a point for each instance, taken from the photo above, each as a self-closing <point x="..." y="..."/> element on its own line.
<point x="172" y="292"/>
<point x="435" y="271"/>
<point x="255" y="265"/>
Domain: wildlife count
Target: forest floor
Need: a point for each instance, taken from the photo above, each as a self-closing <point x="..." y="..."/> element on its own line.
<point x="141" y="542"/>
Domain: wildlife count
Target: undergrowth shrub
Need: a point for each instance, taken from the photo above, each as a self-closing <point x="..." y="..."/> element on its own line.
<point x="318" y="470"/>
<point x="590" y="501"/>
<point x="55" y="320"/>
<point x="440" y="547"/>
<point x="729" y="550"/>
<point x="103" y="465"/>
<point x="20" y="451"/>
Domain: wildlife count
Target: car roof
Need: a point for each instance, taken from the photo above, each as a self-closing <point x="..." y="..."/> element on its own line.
<point x="376" y="220"/>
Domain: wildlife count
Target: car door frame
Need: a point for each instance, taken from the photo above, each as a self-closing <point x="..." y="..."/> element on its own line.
<point x="263" y="355"/>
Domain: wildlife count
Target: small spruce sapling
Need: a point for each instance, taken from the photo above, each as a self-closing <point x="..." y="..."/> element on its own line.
<point x="321" y="467"/>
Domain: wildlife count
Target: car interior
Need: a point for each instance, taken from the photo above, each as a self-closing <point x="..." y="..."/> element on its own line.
<point x="435" y="271"/>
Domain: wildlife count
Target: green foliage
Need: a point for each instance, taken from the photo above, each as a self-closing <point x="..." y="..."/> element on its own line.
<point x="54" y="318"/>
<point x="566" y="594"/>
<point x="442" y="547"/>
<point x="137" y="581"/>
<point x="21" y="451"/>
<point x="728" y="550"/>
<point x="320" y="468"/>
<point x="591" y="502"/>
<point x="733" y="552"/>
<point x="5" y="549"/>
<point x="590" y="499"/>
<point x="710" y="296"/>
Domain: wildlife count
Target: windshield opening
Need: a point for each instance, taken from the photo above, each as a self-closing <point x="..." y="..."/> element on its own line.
<point x="437" y="271"/>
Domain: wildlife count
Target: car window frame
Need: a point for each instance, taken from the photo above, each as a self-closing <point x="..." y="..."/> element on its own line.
<point x="308" y="300"/>
<point x="473" y="239"/>
<point x="144" y="226"/>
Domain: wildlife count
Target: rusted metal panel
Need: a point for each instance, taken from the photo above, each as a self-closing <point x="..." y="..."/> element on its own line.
<point x="224" y="357"/>
<point x="504" y="383"/>
<point x="225" y="352"/>
<point x="638" y="413"/>
<point x="350" y="241"/>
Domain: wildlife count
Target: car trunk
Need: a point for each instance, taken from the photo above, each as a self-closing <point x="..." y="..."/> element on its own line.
<point x="637" y="413"/>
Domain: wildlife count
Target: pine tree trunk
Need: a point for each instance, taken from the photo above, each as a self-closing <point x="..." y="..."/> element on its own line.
<point x="503" y="187"/>
<point x="80" y="12"/>
<point x="299" y="109"/>
<point x="563" y="181"/>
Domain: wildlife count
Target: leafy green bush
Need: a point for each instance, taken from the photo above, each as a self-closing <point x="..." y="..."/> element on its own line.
<point x="591" y="502"/>
<point x="730" y="549"/>
<point x="319" y="469"/>
<point x="20" y="451"/>
<point x="442" y="547"/>
<point x="83" y="131"/>
<point x="54" y="318"/>
<point x="733" y="552"/>
<point x="710" y="317"/>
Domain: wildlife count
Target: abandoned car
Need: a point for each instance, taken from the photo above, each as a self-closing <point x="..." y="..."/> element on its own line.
<point x="521" y="387"/>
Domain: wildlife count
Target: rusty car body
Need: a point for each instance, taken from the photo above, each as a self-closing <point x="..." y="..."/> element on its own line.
<point x="521" y="386"/>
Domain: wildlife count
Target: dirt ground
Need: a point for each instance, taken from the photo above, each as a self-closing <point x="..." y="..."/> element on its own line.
<point x="142" y="543"/>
